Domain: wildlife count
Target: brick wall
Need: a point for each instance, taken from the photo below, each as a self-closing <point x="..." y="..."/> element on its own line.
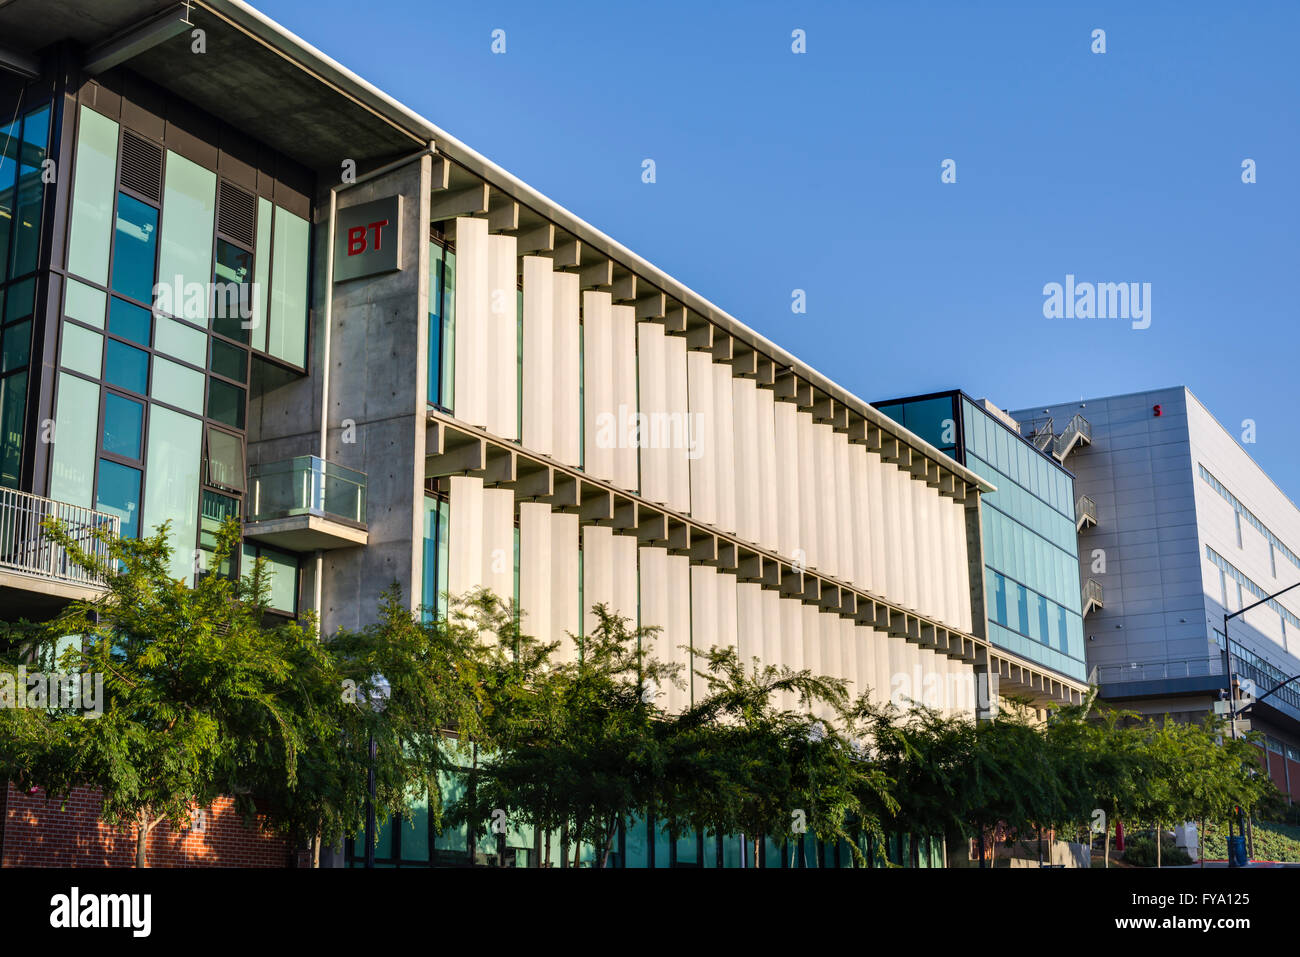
<point x="36" y="832"/>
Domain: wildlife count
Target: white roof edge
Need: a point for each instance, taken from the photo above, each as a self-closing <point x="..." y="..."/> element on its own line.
<point x="304" y="54"/>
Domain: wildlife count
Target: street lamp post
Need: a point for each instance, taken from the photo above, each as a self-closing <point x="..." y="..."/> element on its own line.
<point x="1232" y="689"/>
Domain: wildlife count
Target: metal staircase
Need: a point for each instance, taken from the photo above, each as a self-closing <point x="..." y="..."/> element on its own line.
<point x="1092" y="597"/>
<point x="1077" y="433"/>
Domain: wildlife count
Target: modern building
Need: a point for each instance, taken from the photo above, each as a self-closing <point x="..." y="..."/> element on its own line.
<point x="239" y="280"/>
<point x="1187" y="527"/>
<point x="1031" y="596"/>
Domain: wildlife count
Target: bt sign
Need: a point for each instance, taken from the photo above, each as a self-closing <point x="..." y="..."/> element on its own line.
<point x="368" y="239"/>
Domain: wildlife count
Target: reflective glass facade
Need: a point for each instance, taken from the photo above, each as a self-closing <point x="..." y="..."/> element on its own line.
<point x="1031" y="562"/>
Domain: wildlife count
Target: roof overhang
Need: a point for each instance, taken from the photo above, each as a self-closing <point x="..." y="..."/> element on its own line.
<point x="277" y="88"/>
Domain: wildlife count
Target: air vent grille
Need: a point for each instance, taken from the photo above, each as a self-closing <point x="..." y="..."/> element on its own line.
<point x="236" y="210"/>
<point x="141" y="166"/>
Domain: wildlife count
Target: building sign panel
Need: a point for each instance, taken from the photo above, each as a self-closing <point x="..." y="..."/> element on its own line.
<point x="368" y="239"/>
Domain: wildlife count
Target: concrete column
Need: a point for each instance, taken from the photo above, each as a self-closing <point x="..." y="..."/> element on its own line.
<point x="603" y="428"/>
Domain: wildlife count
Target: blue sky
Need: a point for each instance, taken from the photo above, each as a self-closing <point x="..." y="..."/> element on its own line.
<point x="821" y="171"/>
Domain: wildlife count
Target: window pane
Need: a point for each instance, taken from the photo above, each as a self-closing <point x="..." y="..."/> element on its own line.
<point x="225" y="460"/>
<point x="84" y="303"/>
<point x="283" y="569"/>
<point x="130" y="322"/>
<point x="8" y="181"/>
<point x="16" y="347"/>
<point x="216" y="509"/>
<point x="189" y="202"/>
<point x="134" y="247"/>
<point x="226" y="403"/>
<point x="232" y="305"/>
<point x="31" y="192"/>
<point x="92" y="197"/>
<point x="287" y="326"/>
<point x="13" y="406"/>
<point x="177" y="339"/>
<point x="119" y="494"/>
<point x="229" y="361"/>
<point x="74" y="441"/>
<point x="123" y="426"/>
<point x="82" y="350"/>
<point x="127" y="367"/>
<point x="176" y="385"/>
<point x="261" y="266"/>
<point x="20" y="300"/>
<point x="172" y="493"/>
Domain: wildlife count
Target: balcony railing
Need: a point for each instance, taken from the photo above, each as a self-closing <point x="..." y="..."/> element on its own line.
<point x="306" y="485"/>
<point x="1085" y="513"/>
<point x="1092" y="596"/>
<point x="27" y="548"/>
<point x="1160" y="670"/>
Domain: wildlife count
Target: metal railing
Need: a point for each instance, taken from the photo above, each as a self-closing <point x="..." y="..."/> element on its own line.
<point x="1092" y="595"/>
<point x="1040" y="432"/>
<point x="1085" y="511"/>
<point x="26" y="547"/>
<point x="1206" y="666"/>
<point x="306" y="485"/>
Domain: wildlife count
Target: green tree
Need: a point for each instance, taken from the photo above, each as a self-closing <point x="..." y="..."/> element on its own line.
<point x="197" y="689"/>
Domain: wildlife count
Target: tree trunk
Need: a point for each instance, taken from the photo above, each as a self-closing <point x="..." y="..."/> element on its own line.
<point x="1107" y="852"/>
<point x="315" y="850"/>
<point x="577" y="842"/>
<point x="547" y="861"/>
<point x="1158" y="845"/>
<point x="1200" y="841"/>
<point x="141" y="839"/>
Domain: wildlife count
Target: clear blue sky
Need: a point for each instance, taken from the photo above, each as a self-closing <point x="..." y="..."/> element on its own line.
<point x="821" y="171"/>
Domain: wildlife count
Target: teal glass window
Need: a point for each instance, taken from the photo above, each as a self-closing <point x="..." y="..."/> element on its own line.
<point x="287" y="325"/>
<point x="119" y="494"/>
<point x="225" y="460"/>
<point x="130" y="322"/>
<point x="82" y="350"/>
<point x="232" y="293"/>
<point x="226" y="403"/>
<point x="16" y="346"/>
<point x="188" y="215"/>
<point x="75" y="431"/>
<point x="441" y="360"/>
<point x="261" y="275"/>
<point x="29" y="194"/>
<point x="93" y="189"/>
<point x="13" y="407"/>
<point x="175" y="338"/>
<point x="437" y="523"/>
<point x="135" y="245"/>
<point x="123" y="426"/>
<point x="84" y="303"/>
<point x="216" y="509"/>
<point x="175" y="448"/>
<point x="126" y="367"/>
<point x="8" y="188"/>
<point x="229" y="361"/>
<point x="177" y="385"/>
<point x="20" y="300"/>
